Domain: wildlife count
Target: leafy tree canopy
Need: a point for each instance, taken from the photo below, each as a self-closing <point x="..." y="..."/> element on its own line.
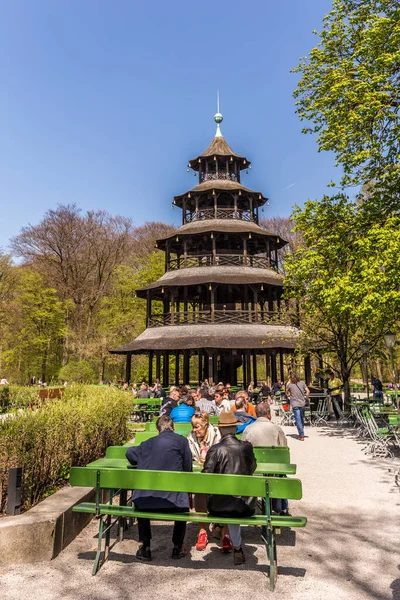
<point x="349" y="91"/>
<point x="345" y="276"/>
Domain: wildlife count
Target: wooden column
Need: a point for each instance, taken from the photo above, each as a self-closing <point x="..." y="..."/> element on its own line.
<point x="148" y="309"/>
<point x="235" y="204"/>
<point x="246" y="301"/>
<point x="197" y="207"/>
<point x="307" y="369"/>
<point x="267" y="366"/>
<point x="200" y="366"/>
<point x="212" y="298"/>
<point x="215" y="205"/>
<point x="184" y="211"/>
<point x="158" y="366"/>
<point x="281" y="365"/>
<point x="274" y="374"/>
<point x="214" y="250"/>
<point x="255" y="367"/>
<point x="244" y="363"/>
<point x="171" y="305"/>
<point x="255" y="295"/>
<point x="166" y="369"/>
<point x="251" y="208"/>
<point x="185" y="253"/>
<point x="231" y="371"/>
<point x="128" y="367"/>
<point x="245" y="251"/>
<point x="214" y="368"/>
<point x="186" y="367"/>
<point x="167" y="255"/>
<point x="150" y="379"/>
<point x="249" y="373"/>
<point x="268" y="252"/>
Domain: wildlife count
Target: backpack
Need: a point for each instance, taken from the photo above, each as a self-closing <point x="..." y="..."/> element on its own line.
<point x="240" y="428"/>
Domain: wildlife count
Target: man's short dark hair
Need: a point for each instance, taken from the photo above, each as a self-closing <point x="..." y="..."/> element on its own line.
<point x="263" y="410"/>
<point x="164" y="423"/>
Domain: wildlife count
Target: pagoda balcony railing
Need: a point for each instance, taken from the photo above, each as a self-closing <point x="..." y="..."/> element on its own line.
<point x="219" y="213"/>
<point x="219" y="316"/>
<point x="223" y="260"/>
<point x="219" y="176"/>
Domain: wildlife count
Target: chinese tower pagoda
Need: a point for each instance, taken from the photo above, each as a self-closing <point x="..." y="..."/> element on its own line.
<point x="221" y="292"/>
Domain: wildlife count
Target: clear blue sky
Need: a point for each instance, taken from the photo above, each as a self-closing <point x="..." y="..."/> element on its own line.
<point x="103" y="103"/>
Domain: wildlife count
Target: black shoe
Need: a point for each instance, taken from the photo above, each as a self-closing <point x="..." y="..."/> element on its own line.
<point x="285" y="513"/>
<point x="238" y="556"/>
<point x="144" y="554"/>
<point x="178" y="553"/>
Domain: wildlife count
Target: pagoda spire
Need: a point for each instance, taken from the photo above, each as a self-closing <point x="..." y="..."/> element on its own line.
<point x="218" y="118"/>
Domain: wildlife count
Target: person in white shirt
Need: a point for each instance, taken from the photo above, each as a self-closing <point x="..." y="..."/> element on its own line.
<point x="262" y="432"/>
<point x="4" y="381"/>
<point x="222" y="404"/>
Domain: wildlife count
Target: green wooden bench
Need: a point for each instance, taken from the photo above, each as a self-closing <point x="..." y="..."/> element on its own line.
<point x="265" y="454"/>
<point x="204" y="483"/>
<point x="151" y="426"/>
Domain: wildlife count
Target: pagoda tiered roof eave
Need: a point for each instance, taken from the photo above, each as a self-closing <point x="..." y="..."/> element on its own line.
<point x="214" y="274"/>
<point x="222" y="226"/>
<point x="221" y="185"/>
<point x="233" y="336"/>
<point x="220" y="148"/>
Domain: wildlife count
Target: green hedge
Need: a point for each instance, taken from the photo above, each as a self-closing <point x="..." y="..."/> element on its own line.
<point x="46" y="441"/>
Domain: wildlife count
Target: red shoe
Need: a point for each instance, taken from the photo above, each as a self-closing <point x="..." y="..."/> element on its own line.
<point x="202" y="541"/>
<point x="227" y="544"/>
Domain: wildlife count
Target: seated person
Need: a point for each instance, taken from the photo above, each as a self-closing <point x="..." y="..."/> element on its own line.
<point x="167" y="451"/>
<point x="242" y="416"/>
<point x="144" y="391"/>
<point x="169" y="403"/>
<point x="264" y="433"/>
<point x="184" y="411"/>
<point x="232" y="456"/>
<point x="202" y="437"/>
<point x="249" y="407"/>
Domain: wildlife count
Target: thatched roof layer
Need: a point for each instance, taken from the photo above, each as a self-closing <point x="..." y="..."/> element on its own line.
<point x="183" y="337"/>
<point x="214" y="274"/>
<point x="218" y="147"/>
<point x="223" y="226"/>
<point x="221" y="185"/>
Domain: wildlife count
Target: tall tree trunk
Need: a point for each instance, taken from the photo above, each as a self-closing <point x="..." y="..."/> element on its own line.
<point x="44" y="365"/>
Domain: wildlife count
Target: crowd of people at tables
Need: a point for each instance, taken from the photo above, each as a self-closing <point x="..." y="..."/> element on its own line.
<point x="217" y="449"/>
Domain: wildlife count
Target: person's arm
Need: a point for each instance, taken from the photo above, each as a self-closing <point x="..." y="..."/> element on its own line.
<point x="210" y="463"/>
<point x="307" y="391"/>
<point x="187" y="457"/>
<point x="250" y="453"/>
<point x="282" y="440"/>
<point x="133" y="454"/>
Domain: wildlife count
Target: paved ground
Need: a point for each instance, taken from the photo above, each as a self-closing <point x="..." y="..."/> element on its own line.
<point x="348" y="551"/>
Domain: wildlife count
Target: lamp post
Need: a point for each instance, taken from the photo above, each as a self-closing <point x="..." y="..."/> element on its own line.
<point x="364" y="347"/>
<point x="390" y="341"/>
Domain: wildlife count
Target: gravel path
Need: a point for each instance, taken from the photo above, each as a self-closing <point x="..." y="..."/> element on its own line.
<point x="348" y="551"/>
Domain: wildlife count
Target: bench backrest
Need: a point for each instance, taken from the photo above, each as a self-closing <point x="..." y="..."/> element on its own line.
<point x="272" y="454"/>
<point x="178" y="427"/>
<point x="143" y="436"/>
<point x="196" y="483"/>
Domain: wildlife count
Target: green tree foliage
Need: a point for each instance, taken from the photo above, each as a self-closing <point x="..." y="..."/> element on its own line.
<point x="37" y="327"/>
<point x="346" y="278"/>
<point x="349" y="91"/>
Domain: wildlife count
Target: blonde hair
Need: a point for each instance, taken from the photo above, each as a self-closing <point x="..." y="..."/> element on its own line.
<point x="202" y="417"/>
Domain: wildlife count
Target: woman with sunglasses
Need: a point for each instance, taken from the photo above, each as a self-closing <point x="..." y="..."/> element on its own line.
<point x="202" y="437"/>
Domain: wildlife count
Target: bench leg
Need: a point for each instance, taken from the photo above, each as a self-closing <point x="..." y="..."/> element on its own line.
<point x="96" y="565"/>
<point x="268" y="536"/>
<point x="107" y="537"/>
<point x="122" y="525"/>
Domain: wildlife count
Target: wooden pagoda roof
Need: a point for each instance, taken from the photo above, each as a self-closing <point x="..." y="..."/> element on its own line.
<point x="183" y="337"/>
<point x="220" y="185"/>
<point x="214" y="274"/>
<point x="218" y="147"/>
<point x="222" y="226"/>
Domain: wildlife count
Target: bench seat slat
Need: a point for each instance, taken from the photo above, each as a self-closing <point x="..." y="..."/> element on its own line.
<point x="192" y="517"/>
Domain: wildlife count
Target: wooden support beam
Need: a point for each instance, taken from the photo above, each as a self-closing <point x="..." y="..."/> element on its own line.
<point x="128" y="367"/>
<point x="150" y="379"/>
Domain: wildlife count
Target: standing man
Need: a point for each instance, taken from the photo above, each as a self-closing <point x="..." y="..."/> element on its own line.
<point x="234" y="457"/>
<point x="167" y="451"/>
<point x="335" y="391"/>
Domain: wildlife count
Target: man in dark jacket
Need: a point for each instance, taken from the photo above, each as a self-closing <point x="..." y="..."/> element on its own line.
<point x="170" y="402"/>
<point x="167" y="451"/>
<point x="235" y="457"/>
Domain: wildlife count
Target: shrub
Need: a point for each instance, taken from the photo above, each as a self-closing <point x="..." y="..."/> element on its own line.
<point x="18" y="396"/>
<point x="47" y="441"/>
<point x="81" y="371"/>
